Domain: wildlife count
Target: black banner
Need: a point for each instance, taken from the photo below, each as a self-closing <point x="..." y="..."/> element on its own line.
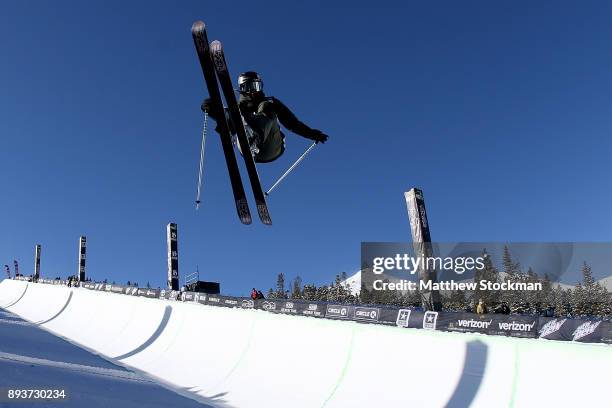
<point x="37" y="263"/>
<point x="505" y="325"/>
<point x="334" y="311"/>
<point x="367" y="314"/>
<point x="173" y="274"/>
<point x="586" y="331"/>
<point x="82" y="256"/>
<point x="188" y="296"/>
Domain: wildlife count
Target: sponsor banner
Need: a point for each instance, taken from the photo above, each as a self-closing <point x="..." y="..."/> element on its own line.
<point x="82" y="258"/>
<point x="200" y="298"/>
<point x="117" y="289"/>
<point x="188" y="296"/>
<point x="334" y="311"/>
<point x="268" y="305"/>
<point x="88" y="285"/>
<point x="247" y="303"/>
<point x="312" y="309"/>
<point x="131" y="290"/>
<point x="214" y="300"/>
<point x="515" y="326"/>
<point x="403" y="317"/>
<point x="230" y="301"/>
<point x="497" y="324"/>
<point x="430" y="320"/>
<point x="586" y="331"/>
<point x="366" y="314"/>
<point x="148" y="292"/>
<point x="288" y="306"/>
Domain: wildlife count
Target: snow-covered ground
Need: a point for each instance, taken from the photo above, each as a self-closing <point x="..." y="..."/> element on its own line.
<point x="251" y="358"/>
<point x="31" y="358"/>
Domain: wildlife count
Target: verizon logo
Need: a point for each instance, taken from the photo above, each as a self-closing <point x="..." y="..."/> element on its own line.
<point x="478" y="324"/>
<point x="516" y="326"/>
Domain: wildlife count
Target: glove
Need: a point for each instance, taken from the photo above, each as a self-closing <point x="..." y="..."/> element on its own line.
<point x="318" y="136"/>
<point x="207" y="106"/>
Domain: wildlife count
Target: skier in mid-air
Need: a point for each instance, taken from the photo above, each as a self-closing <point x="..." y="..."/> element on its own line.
<point x="261" y="115"/>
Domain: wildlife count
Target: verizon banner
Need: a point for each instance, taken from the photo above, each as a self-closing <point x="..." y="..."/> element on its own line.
<point x="497" y="324"/>
<point x="172" y="240"/>
<point x="82" y="255"/>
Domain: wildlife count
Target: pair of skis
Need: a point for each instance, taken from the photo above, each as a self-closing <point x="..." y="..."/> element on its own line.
<point x="212" y="60"/>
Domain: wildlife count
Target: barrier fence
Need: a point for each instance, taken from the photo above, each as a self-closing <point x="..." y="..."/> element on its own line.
<point x="527" y="326"/>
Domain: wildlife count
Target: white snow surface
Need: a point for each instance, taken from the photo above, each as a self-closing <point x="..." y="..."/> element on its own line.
<point x="250" y="358"/>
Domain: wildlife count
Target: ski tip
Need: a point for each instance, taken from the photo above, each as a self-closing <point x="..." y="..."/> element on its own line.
<point x="216" y="46"/>
<point x="198" y="27"/>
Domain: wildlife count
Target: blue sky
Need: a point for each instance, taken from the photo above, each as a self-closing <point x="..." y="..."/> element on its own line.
<point x="499" y="112"/>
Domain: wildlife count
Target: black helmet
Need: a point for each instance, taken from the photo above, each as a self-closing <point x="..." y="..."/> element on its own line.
<point x="250" y="82"/>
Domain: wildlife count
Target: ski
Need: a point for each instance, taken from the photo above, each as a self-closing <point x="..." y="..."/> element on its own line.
<point x="216" y="49"/>
<point x="200" y="39"/>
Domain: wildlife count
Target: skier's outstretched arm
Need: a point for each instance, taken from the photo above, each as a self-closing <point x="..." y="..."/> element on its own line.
<point x="292" y="123"/>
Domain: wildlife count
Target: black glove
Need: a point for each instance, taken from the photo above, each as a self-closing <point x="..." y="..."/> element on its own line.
<point x="207" y="106"/>
<point x="318" y="136"/>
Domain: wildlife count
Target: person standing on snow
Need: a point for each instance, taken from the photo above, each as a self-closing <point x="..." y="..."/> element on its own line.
<point x="261" y="115"/>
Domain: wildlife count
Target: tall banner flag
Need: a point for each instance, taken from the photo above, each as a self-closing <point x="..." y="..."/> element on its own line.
<point x="421" y="241"/>
<point x="37" y="263"/>
<point x="16" y="267"/>
<point x="173" y="276"/>
<point x="8" y="271"/>
<point x="82" y="257"/>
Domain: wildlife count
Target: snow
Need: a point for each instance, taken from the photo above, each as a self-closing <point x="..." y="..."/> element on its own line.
<point x="248" y="358"/>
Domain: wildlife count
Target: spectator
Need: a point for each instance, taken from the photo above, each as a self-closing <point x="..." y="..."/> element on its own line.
<point x="260" y="295"/>
<point x="481" y="308"/>
<point x="549" y="312"/>
<point x="503" y="308"/>
<point x="254" y="294"/>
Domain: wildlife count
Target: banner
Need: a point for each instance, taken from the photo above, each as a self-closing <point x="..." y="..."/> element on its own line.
<point x="367" y="314"/>
<point x="172" y="242"/>
<point x="586" y="331"/>
<point x="339" y="311"/>
<point x="82" y="255"/>
<point x="37" y="263"/>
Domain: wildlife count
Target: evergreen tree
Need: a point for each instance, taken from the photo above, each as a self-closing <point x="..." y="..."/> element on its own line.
<point x="271" y="294"/>
<point x="296" y="292"/>
<point x="309" y="292"/>
<point x="280" y="286"/>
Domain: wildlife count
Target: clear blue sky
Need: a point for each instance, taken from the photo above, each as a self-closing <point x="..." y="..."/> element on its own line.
<point x="499" y="112"/>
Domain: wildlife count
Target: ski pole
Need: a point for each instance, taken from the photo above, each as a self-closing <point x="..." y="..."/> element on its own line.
<point x="201" y="161"/>
<point x="291" y="168"/>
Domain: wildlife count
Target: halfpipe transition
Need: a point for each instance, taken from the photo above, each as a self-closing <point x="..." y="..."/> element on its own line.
<point x="248" y="358"/>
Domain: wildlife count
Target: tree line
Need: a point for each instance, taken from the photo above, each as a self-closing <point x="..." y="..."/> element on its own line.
<point x="587" y="298"/>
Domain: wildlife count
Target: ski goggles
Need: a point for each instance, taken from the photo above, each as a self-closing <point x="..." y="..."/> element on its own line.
<point x="251" y="87"/>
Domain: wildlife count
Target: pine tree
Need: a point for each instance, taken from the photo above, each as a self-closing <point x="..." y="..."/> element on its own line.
<point x="280" y="286"/>
<point x="296" y="292"/>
